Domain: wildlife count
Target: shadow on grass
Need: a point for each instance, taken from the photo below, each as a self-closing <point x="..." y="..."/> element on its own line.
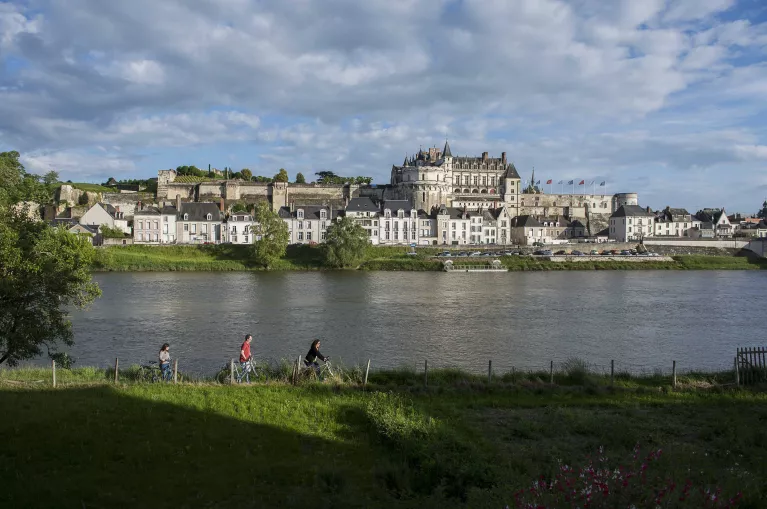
<point x="100" y="447"/>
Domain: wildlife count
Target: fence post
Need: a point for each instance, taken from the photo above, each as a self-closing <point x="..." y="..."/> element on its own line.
<point x="175" y="371"/>
<point x="612" y="372"/>
<point x="231" y="371"/>
<point x="367" y="370"/>
<point x="489" y="370"/>
<point x="53" y="370"/>
<point x="737" y="374"/>
<point x="673" y="373"/>
<point x="551" y="373"/>
<point x="117" y="367"/>
<point x="425" y="373"/>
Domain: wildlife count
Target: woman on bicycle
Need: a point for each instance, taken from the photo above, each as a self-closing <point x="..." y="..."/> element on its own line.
<point x="165" y="361"/>
<point x="313" y="355"/>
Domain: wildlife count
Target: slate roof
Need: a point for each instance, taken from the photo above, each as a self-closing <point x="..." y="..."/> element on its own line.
<point x="678" y="212"/>
<point x="61" y="221"/>
<point x="603" y="233"/>
<point x="156" y="211"/>
<point x="310" y="212"/>
<point x="199" y="211"/>
<point x="361" y="205"/>
<point x="92" y="229"/>
<point x="631" y="211"/>
<point x="110" y="209"/>
<point x="526" y="221"/>
<point x="452" y="212"/>
<point x="241" y="216"/>
<point x="511" y="172"/>
<point x="446" y="151"/>
<point x="395" y="205"/>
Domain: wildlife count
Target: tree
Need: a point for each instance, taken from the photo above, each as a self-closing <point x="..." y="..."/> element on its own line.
<point x="50" y="178"/>
<point x="345" y="243"/>
<point x="246" y="174"/>
<point x="326" y="177"/>
<point x="111" y="233"/>
<point x="271" y="236"/>
<point x="192" y="171"/>
<point x="236" y="175"/>
<point x="83" y="200"/>
<point x="44" y="271"/>
<point x="282" y="176"/>
<point x="111" y="182"/>
<point x="16" y="185"/>
<point x="261" y="179"/>
<point x="300" y="179"/>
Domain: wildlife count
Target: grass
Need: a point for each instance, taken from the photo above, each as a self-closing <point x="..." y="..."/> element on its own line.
<point x="461" y="442"/>
<point x="227" y="257"/>
<point x="94" y="188"/>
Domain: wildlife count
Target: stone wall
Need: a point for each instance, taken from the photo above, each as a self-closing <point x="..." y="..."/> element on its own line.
<point x="128" y="202"/>
<point x="695" y="243"/>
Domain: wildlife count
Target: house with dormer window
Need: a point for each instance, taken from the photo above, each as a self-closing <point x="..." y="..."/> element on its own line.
<point x="200" y="223"/>
<point x="307" y="224"/>
<point x="399" y="225"/>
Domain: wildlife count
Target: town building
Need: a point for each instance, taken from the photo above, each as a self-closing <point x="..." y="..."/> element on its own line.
<point x="527" y="230"/>
<point x="105" y="214"/>
<point x="307" y="224"/>
<point x="155" y="225"/>
<point x="399" y="223"/>
<point x="716" y="220"/>
<point x="238" y="229"/>
<point x="367" y="214"/>
<point x="199" y="223"/>
<point x="631" y="223"/>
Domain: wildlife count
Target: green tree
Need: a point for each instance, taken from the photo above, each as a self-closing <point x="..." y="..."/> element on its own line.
<point x="16" y="185"/>
<point x="50" y="178"/>
<point x="83" y="200"/>
<point x="271" y="236"/>
<point x="246" y="174"/>
<point x="111" y="233"/>
<point x="44" y="271"/>
<point x="300" y="179"/>
<point x="345" y="243"/>
<point x="326" y="177"/>
<point x="282" y="176"/>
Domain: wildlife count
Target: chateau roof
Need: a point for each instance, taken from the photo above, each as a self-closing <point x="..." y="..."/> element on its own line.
<point x="200" y="211"/>
<point x="310" y="211"/>
<point x="404" y="205"/>
<point x="364" y="204"/>
<point x="511" y="172"/>
<point x="631" y="211"/>
<point x="446" y="151"/>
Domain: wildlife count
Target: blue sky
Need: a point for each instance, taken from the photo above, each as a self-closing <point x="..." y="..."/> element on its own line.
<point x="665" y="98"/>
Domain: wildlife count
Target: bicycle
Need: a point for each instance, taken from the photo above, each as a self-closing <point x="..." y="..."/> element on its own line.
<point x="324" y="371"/>
<point x="153" y="373"/>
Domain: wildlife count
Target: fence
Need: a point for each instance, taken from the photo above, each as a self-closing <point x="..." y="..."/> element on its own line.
<point x="751" y="365"/>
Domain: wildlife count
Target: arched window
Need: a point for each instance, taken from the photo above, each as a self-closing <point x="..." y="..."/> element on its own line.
<point x="457" y="191"/>
<point x="466" y="191"/>
<point x="186" y="217"/>
<point x="209" y="217"/>
<point x="475" y="191"/>
<point x="484" y="191"/>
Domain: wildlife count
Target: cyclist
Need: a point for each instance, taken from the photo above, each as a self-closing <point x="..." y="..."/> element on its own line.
<point x="245" y="359"/>
<point x="314" y="353"/>
<point x="165" y="362"/>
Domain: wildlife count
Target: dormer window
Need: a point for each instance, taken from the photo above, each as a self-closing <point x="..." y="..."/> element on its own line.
<point x="209" y="217"/>
<point x="300" y="214"/>
<point x="323" y="214"/>
<point x="400" y="214"/>
<point x="387" y="213"/>
<point x="186" y="217"/>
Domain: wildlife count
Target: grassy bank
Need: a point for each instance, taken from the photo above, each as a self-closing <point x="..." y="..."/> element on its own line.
<point x="237" y="258"/>
<point x="458" y="443"/>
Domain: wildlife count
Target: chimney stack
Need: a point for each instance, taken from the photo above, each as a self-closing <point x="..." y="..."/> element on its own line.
<point x="140" y="206"/>
<point x="221" y="205"/>
<point x="484" y="156"/>
<point x="503" y="158"/>
<point x="292" y="206"/>
<point x="178" y="203"/>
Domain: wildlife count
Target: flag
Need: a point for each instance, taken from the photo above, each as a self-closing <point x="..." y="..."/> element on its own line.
<point x="549" y="181"/>
<point x="570" y="183"/>
<point x="561" y="182"/>
<point x="581" y="182"/>
<point x="592" y="183"/>
<point x="602" y="184"/>
<point x="538" y="183"/>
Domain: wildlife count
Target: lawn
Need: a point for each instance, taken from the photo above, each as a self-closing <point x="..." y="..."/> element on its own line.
<point x="94" y="188"/>
<point x="457" y="444"/>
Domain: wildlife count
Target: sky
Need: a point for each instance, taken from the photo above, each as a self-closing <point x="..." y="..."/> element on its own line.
<point x="665" y="98"/>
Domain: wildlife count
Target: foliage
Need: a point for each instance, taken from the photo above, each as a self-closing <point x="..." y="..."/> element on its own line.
<point x="403" y="264"/>
<point x="345" y="243"/>
<point x="328" y="177"/>
<point x="43" y="271"/>
<point x="83" y="200"/>
<point x="300" y="179"/>
<point x="16" y="185"/>
<point x="263" y="180"/>
<point x="282" y="176"/>
<point x="246" y="174"/>
<point x="111" y="182"/>
<point x="627" y="484"/>
<point x="271" y="234"/>
<point x="239" y="206"/>
<point x="191" y="171"/>
<point x="111" y="233"/>
<point x="50" y="178"/>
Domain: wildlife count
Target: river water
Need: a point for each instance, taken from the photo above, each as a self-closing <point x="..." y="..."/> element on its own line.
<point x="642" y="319"/>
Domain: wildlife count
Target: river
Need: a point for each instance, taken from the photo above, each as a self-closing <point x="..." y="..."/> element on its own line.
<point x="642" y="319"/>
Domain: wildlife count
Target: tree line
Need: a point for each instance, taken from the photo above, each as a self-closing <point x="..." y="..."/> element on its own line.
<point x="323" y="177"/>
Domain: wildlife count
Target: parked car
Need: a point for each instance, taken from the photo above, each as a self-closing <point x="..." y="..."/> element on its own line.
<point x="625" y="252"/>
<point x="615" y="252"/>
<point x="561" y="252"/>
<point x="538" y="253"/>
<point x="538" y="244"/>
<point x="577" y="253"/>
<point x="548" y="252"/>
<point x="445" y="253"/>
<point x="606" y="253"/>
<point x="594" y="252"/>
<point x="475" y="253"/>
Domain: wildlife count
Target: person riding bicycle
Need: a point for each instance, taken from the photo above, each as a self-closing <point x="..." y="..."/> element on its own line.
<point x="314" y="353"/>
<point x="245" y="359"/>
<point x="165" y="361"/>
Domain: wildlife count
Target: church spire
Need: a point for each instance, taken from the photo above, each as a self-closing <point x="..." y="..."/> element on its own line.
<point x="405" y="163"/>
<point x="446" y="151"/>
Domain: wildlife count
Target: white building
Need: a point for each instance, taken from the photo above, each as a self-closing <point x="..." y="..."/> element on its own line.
<point x="105" y="214"/>
<point x="674" y="223"/>
<point x="307" y="224"/>
<point x="527" y="230"/>
<point x="199" y="223"/>
<point x="399" y="224"/>
<point x="718" y="221"/>
<point x="630" y="223"/>
<point x="155" y="225"/>
<point x="238" y="229"/>
<point x="366" y="214"/>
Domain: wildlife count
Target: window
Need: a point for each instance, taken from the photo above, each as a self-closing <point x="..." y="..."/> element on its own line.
<point x="204" y="228"/>
<point x="323" y="235"/>
<point x="308" y="235"/>
<point x="484" y="181"/>
<point x="194" y="228"/>
<point x="247" y="229"/>
<point x="387" y="234"/>
<point x="186" y="227"/>
<point x="141" y="225"/>
<point x="165" y="228"/>
<point x="156" y="237"/>
<point x="474" y="180"/>
<point x="186" y="217"/>
<point x="323" y="214"/>
<point x="234" y="229"/>
<point x="156" y="225"/>
<point x="300" y="235"/>
<point x="300" y="225"/>
<point x="165" y="219"/>
<point x="300" y="214"/>
<point x="466" y="180"/>
<point x="209" y="217"/>
<point x="140" y="237"/>
<point x="246" y="239"/>
<point x="412" y="235"/>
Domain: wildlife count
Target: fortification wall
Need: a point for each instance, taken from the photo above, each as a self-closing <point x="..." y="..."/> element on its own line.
<point x="170" y="191"/>
<point x="127" y="202"/>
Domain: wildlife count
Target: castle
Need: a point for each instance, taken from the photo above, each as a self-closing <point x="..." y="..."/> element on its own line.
<point x="429" y="180"/>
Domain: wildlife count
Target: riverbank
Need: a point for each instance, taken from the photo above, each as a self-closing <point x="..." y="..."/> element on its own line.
<point x="307" y="258"/>
<point x="456" y="443"/>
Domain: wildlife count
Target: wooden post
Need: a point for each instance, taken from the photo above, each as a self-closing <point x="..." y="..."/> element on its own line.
<point x="551" y="373"/>
<point x="673" y="373"/>
<point x="426" y="373"/>
<point x="612" y="372"/>
<point x="117" y="368"/>
<point x="367" y="370"/>
<point x="231" y="371"/>
<point x="737" y="374"/>
<point x="175" y="371"/>
<point x="53" y="370"/>
<point x="489" y="370"/>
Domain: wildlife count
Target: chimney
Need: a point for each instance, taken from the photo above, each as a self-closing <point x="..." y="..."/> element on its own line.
<point x="140" y="206"/>
<point x="292" y="206"/>
<point x="117" y="209"/>
<point x="178" y="203"/>
<point x="221" y="205"/>
<point x="484" y="156"/>
<point x="503" y="158"/>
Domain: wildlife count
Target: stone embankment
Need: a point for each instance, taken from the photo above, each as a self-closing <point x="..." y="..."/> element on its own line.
<point x="599" y="258"/>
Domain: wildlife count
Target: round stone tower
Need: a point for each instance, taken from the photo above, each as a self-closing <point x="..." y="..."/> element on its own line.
<point x="620" y="199"/>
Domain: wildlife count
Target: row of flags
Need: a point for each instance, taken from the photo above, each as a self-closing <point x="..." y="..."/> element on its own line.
<point x="572" y="182"/>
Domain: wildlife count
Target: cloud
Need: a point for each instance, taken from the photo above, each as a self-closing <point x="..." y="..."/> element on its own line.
<point x="568" y="85"/>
